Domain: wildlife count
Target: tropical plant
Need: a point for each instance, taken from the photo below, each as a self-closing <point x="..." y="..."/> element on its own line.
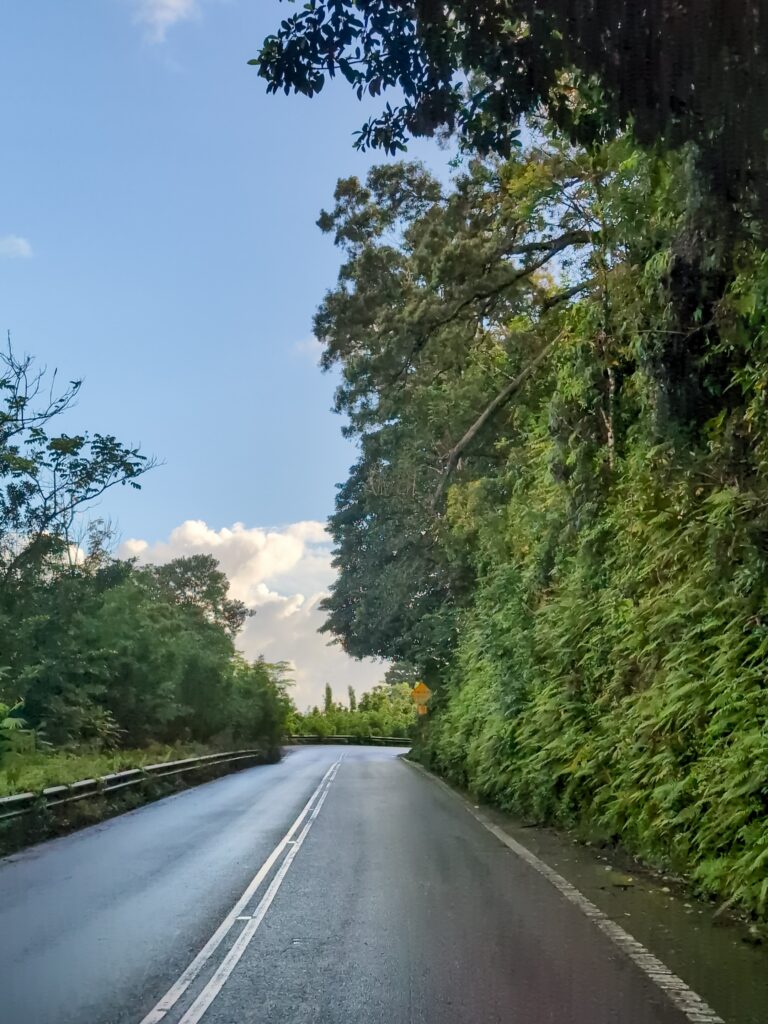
<point x="557" y="383"/>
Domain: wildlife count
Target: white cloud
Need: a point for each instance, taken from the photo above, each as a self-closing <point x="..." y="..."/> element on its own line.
<point x="160" y="15"/>
<point x="14" y="247"/>
<point x="309" y="348"/>
<point x="283" y="573"/>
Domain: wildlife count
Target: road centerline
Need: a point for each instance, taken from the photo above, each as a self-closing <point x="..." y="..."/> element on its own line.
<point x="191" y="972"/>
<point x="222" y="973"/>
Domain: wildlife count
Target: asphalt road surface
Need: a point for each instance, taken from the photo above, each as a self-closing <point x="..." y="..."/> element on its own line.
<point x="339" y="886"/>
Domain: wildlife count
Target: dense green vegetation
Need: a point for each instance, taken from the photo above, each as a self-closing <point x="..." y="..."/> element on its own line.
<point x="97" y="653"/>
<point x="557" y="378"/>
<point x="556" y="372"/>
<point x="386" y="710"/>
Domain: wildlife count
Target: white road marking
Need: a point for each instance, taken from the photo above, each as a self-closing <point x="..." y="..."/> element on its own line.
<point x="684" y="998"/>
<point x="230" y="961"/>
<point x="185" y="979"/>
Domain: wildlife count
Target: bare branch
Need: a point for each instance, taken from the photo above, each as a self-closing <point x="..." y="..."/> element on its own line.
<point x="567" y="293"/>
<point x="557" y="246"/>
<point x="575" y="237"/>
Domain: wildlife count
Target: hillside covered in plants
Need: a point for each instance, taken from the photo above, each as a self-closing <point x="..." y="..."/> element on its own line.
<point x="556" y="371"/>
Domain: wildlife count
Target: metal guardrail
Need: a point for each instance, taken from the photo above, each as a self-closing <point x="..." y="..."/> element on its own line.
<point x="21" y="803"/>
<point x="53" y="796"/>
<point x="376" y="741"/>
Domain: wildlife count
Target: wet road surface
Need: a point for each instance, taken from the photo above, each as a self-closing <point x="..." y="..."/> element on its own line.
<point x="340" y="885"/>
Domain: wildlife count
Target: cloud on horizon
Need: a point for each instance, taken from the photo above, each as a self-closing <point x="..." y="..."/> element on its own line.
<point x="282" y="573"/>
<point x="14" y="247"/>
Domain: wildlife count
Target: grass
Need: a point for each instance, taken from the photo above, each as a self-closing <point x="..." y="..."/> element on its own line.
<point x="35" y="772"/>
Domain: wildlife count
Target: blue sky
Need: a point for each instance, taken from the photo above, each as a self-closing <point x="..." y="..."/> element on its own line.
<point x="170" y="207"/>
<point x="158" y="239"/>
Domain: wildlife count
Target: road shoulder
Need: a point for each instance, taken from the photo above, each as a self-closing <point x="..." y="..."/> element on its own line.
<point x="705" y="967"/>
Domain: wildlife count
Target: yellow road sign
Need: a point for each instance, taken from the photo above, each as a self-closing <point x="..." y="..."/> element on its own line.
<point x="421" y="693"/>
<point x="422" y="709"/>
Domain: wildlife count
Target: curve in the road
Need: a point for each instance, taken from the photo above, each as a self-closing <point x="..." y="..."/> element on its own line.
<point x="314" y="891"/>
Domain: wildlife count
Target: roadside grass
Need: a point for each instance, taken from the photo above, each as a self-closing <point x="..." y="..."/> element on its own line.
<point x="43" y="821"/>
<point x="34" y="772"/>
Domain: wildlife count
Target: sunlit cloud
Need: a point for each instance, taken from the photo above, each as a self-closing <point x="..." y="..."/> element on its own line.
<point x="283" y="573"/>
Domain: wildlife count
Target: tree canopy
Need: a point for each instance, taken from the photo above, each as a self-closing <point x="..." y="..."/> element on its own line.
<point x="385" y="710"/>
<point x="676" y="71"/>
<point x="47" y="479"/>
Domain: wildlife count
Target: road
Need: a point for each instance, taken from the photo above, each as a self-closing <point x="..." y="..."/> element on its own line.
<point x="387" y="902"/>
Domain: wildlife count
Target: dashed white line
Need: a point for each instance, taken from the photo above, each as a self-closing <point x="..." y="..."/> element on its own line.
<point x="185" y="979"/>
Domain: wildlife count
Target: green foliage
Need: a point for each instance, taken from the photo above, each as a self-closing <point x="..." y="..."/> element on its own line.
<point x="47" y="479"/>
<point x="259" y="704"/>
<point x="402" y="672"/>
<point x="15" y="739"/>
<point x="36" y="771"/>
<point x="418" y="322"/>
<point x="477" y="67"/>
<point x="597" y="573"/>
<point x="386" y="710"/>
<point x="102" y="653"/>
<point x="197" y="584"/>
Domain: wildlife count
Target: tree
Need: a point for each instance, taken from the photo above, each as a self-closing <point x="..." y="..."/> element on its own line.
<point x="12" y="731"/>
<point x="47" y="480"/>
<point x="328" y="699"/>
<point x="401" y="672"/>
<point x="478" y="67"/>
<point x="596" y="558"/>
<point x="442" y="301"/>
<point x="103" y="652"/>
<point x="389" y="709"/>
<point x="48" y="581"/>
<point x="260" y="704"/>
<point x="386" y="710"/>
<point x="196" y="582"/>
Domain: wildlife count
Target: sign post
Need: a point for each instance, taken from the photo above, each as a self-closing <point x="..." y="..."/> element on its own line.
<point x="421" y="694"/>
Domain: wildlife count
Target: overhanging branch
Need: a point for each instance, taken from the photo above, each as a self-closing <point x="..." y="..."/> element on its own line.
<point x="549" y="248"/>
<point x="565" y="294"/>
<point x="554" y="247"/>
<point x="490" y="410"/>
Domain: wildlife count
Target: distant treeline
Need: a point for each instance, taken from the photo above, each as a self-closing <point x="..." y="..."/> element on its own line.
<point x="386" y="710"/>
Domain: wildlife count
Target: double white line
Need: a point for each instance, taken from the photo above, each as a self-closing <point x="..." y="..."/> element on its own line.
<point x="227" y="965"/>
